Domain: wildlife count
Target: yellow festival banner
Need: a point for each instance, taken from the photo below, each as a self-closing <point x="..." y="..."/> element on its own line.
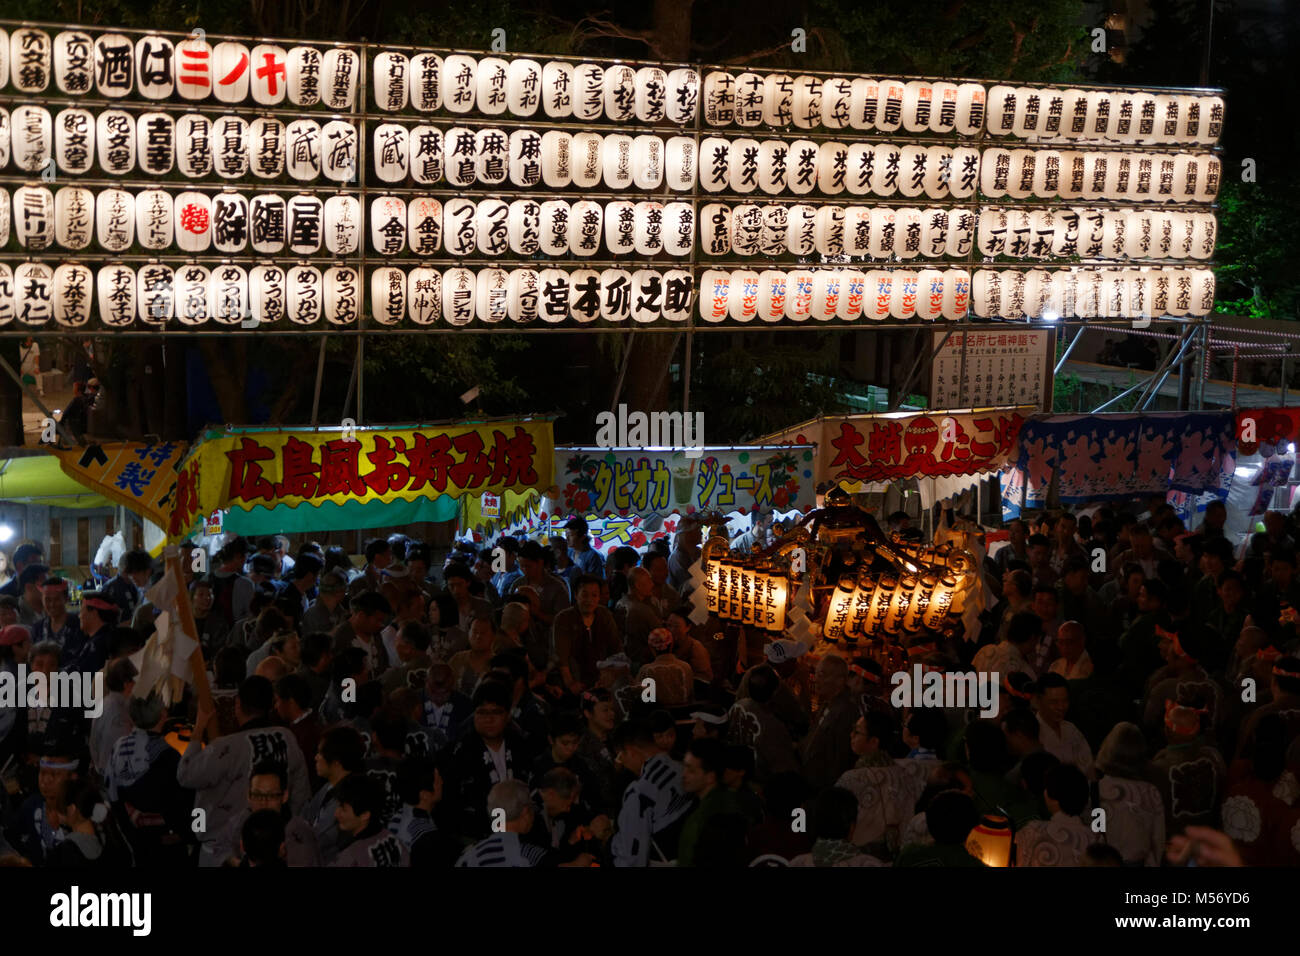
<point x="142" y="477"/>
<point x="260" y="471"/>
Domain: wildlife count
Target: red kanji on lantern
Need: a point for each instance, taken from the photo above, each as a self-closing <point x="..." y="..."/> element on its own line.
<point x="269" y="70"/>
<point x="236" y="71"/>
<point x="194" y="218"/>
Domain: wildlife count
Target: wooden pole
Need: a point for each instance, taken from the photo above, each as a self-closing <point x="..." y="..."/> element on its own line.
<point x="186" y="612"/>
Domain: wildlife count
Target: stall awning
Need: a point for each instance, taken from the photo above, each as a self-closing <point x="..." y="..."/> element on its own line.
<point x="38" y="480"/>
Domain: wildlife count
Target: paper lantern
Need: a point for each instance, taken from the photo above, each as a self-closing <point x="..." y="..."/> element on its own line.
<point x="458" y="295"/>
<point x="683" y="96"/>
<point x="857" y="231"/>
<point x="801" y="175"/>
<point x="836" y="103"/>
<point x="715" y="164"/>
<point x="1211" y="116"/>
<point x="991" y="841"/>
<point x="1003" y="102"/>
<point x="1112" y="299"/>
<point x="1164" y="228"/>
<point x="1013" y="294"/>
<point x="1024" y="167"/>
<point x="1102" y="114"/>
<point x="391" y="152"/>
<point x="228" y="294"/>
<point x="524" y="227"/>
<point x="1201" y="302"/>
<point x="903" y="293"/>
<point x="553" y="295"/>
<point x="1205" y="230"/>
<point x="459" y="83"/>
<point x="829" y="231"/>
<point x="778" y="99"/>
<point x="746" y="229"/>
<point x="1028" y="107"/>
<point x="589" y="91"/>
<point x="424" y="82"/>
<point x="888" y="169"/>
<point x="719" y="98"/>
<point x="425" y="154"/>
<point x="114" y="65"/>
<point x="832" y="167"/>
<point x="73" y="62"/>
<point x="342" y="294"/>
<point x="620" y="227"/>
<point x="114" y="219"/>
<point x="302" y="82"/>
<point x="455" y="157"/>
<point x="994" y="226"/>
<point x="73" y="291"/>
<point x="852" y="294"/>
<point x="828" y="288"/>
<point x="956" y="294"/>
<point x="339" y="145"/>
<point x="74" y="215"/>
<point x="1074" y="178"/>
<point x="771" y="296"/>
<point x="934" y="232"/>
<point x="748" y="96"/>
<point x="889" y="105"/>
<point x="964" y="173"/>
<point x="678" y="229"/>
<point x="917" y="106"/>
<point x="798" y="303"/>
<point x="557" y="158"/>
<point x="192" y="294"/>
<point x="1185" y="240"/>
<point x="115" y="288"/>
<point x="304" y="215"/>
<point x="742" y="299"/>
<point x="6" y="135"/>
<point x="554" y="229"/>
<point x="302" y="143"/>
<point x="615" y="295"/>
<point x="961" y="233"/>
<point x="806" y="103"/>
<point x="1037" y="294"/>
<point x="389" y="71"/>
<point x="971" y="104"/>
<point x="31" y="52"/>
<point x="1179" y="298"/>
<point x="1074" y="116"/>
<point x="1145" y="113"/>
<point x="1168" y="118"/>
<point x="424" y="296"/>
<point x="555" y="92"/>
<point x="491" y="156"/>
<point x="649" y="222"/>
<point x="229" y="222"/>
<point x="30" y="134"/>
<point x="1043" y="224"/>
<point x="33" y="292"/>
<point x="772" y="170"/>
<point x="267" y="213"/>
<point x="772" y="236"/>
<point x="588" y="160"/>
<point x="1096" y="169"/>
<point x="1088" y="294"/>
<point x="1092" y="233"/>
<point x="1161" y="291"/>
<point x="715" y="229"/>
<point x="1186" y="178"/>
<point x="1209" y="169"/>
<point x="74" y="140"/>
<point x="801" y="230"/>
<point x="619" y="89"/>
<point x="492" y="79"/>
<point x="585" y="228"/>
<point x="194" y="69"/>
<point x="884" y="230"/>
<point x="679" y="288"/>
<point x="231" y="72"/>
<point x="913" y="169"/>
<point x="492" y="227"/>
<point x="267" y="293"/>
<point x="303" y="295"/>
<point x="648" y="296"/>
<point x="860" y="168"/>
<point x="155" y="295"/>
<point x="616" y="161"/>
<point x="387" y="295"/>
<point x="340" y="70"/>
<point x="907" y="233"/>
<point x="936" y="171"/>
<point x="995" y="172"/>
<point x="743" y="168"/>
<point x="1055" y="117"/>
<point x="229" y="147"/>
<point x="986" y="293"/>
<point x="4" y="63"/>
<point x="265" y="147"/>
<point x="423" y="225"/>
<point x="929" y="294"/>
<point x="492" y="296"/>
<point x="679" y="163"/>
<point x="584" y="295"/>
<point x="715" y="295"/>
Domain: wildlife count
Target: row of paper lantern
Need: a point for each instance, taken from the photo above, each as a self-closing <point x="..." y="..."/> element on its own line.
<point x="232" y="147"/>
<point x="114" y="66"/>
<point x="931" y="294"/>
<point x="35" y="293"/>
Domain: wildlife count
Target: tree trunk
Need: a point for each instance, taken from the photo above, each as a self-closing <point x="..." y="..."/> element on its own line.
<point x="226" y="364"/>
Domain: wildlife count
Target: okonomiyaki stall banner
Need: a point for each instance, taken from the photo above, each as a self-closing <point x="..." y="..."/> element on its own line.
<point x="860" y="450"/>
<point x="302" y="480"/>
<point x="1095" y="457"/>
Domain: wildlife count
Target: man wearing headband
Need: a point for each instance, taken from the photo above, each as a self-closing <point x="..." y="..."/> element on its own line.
<point x="791" y="704"/>
<point x="57" y="624"/>
<point x="88" y="651"/>
<point x="38" y="826"/>
<point x="1190" y="772"/>
<point x="1185" y="680"/>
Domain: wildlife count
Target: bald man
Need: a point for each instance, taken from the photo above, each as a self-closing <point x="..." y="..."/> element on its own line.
<point x="827" y="750"/>
<point x="1074" y="662"/>
<point x="637" y="617"/>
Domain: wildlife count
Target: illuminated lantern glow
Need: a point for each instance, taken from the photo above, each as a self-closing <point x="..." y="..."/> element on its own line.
<point x="839" y="609"/>
<point x="991" y="841"/>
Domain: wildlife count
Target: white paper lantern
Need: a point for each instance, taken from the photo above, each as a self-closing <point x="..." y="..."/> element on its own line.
<point x="229" y="147"/>
<point x="492" y="295"/>
<point x="1028" y="107"/>
<point x="155" y="295"/>
<point x="1205" y="229"/>
<point x="857" y="231"/>
<point x="719" y="98"/>
<point x="902" y="302"/>
<point x="907" y="234"/>
<point x="73" y="60"/>
<point x="424" y="295"/>
<point x="1074" y="175"/>
<point x="303" y="295"/>
<point x="986" y="293"/>
<point x="995" y="172"/>
<point x="678" y="228"/>
<point x="778" y="104"/>
<point x="388" y="295"/>
<point x="459" y="85"/>
<point x="1186" y="179"/>
<point x="340" y="68"/>
<point x="860" y="165"/>
<point x="492" y="156"/>
<point x="648" y="162"/>
<point x="74" y="217"/>
<point x="620" y="227"/>
<point x="30" y="134"/>
<point x="832" y="167"/>
<point x="1102" y="114"/>
<point x="524" y="289"/>
<point x="837" y="103"/>
<point x="584" y="295"/>
<point x="523" y="87"/>
<point x="269" y="231"/>
<point x="917" y="105"/>
<point x="342" y="295"/>
<point x="994" y="226"/>
<point x="799" y="293"/>
<point x="679" y="291"/>
<point x="649" y="221"/>
<point x="115" y="287"/>
<point x="929" y="294"/>
<point x="193" y="70"/>
<point x="616" y="161"/>
<point x="424" y="225"/>
<point x="956" y="294"/>
<point x="1003" y="102"/>
<point x="852" y="298"/>
<point x="1043" y="225"/>
<point x="156" y="143"/>
<point x="554" y="236"/>
<point x="938" y="171"/>
<point x="1169" y="120"/>
<point x="829" y="231"/>
<point x="391" y="152"/>
<point x="74" y="140"/>
<point x="459" y="291"/>
<point x="888" y="169"/>
<point x="114" y="220"/>
<point x="304" y="215"/>
<point x="715" y="164"/>
<point x="771" y="295"/>
<point x="1123" y="115"/>
<point x="715" y="295"/>
<point x="776" y="223"/>
<point x="647" y="296"/>
<point x="524" y="225"/>
<point x="493" y="79"/>
<point x="801" y="175"/>
<point x="4" y="61"/>
<point x="1013" y="294"/>
<point x="230" y="72"/>
<point x="749" y="99"/>
<point x="773" y="156"/>
<point x="1146" y="110"/>
<point x="389" y="81"/>
<point x="746" y="229"/>
<point x="73" y="294"/>
<point x="425" y="160"/>
<point x="806" y="106"/>
<point x="492" y="224"/>
<point x="827" y="291"/>
<point x="679" y="163"/>
<point x="114" y="65"/>
<point x="557" y="158"/>
<point x="742" y="295"/>
<point x="971" y="103"/>
<point x="268" y="71"/>
<point x="229" y="222"/>
<point x="228" y="294"/>
<point x="615" y="295"/>
<point x="1211" y="112"/>
<point x="33" y="292"/>
<point x="424" y="83"/>
<point x="557" y="89"/>
<point x="683" y="96"/>
<point x="935" y="224"/>
<point x="879" y="294"/>
<point x="1209" y="170"/>
<point x="303" y="71"/>
<point x="192" y="294"/>
<point x="715" y="229"/>
<point x="801" y="230"/>
<point x="302" y="143"/>
<point x="31" y="53"/>
<point x="619" y="84"/>
<point x="588" y="160"/>
<point x="459" y="234"/>
<point x="553" y="296"/>
<point x="913" y="169"/>
<point x="5" y="133"/>
<point x="651" y="94"/>
<point x="585" y="228"/>
<point x="339" y="151"/>
<point x="266" y="145"/>
<point x="965" y="172"/>
<point x="1038" y="295"/>
<point x="1074" y="114"/>
<point x="961" y="233"/>
<point x="588" y="91"/>
<point x="884" y="230"/>
<point x="1024" y="167"/>
<point x="1202" y="292"/>
<point x="1092" y="233"/>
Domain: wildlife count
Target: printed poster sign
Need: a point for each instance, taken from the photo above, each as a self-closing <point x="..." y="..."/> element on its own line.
<point x="1002" y="368"/>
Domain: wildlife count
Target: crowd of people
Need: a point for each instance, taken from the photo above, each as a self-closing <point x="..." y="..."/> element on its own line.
<point x="537" y="704"/>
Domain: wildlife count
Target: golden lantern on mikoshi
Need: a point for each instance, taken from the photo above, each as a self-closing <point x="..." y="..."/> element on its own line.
<point x="774" y="594"/>
<point x="991" y="841"/>
<point x="839" y="609"/>
<point x="710" y="561"/>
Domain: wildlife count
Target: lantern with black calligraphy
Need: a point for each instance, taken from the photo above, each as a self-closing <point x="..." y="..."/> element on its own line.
<point x="115" y="137"/>
<point x="615" y="295"/>
<point x="267" y="293"/>
<point x="588" y="91"/>
<point x="557" y="158"/>
<point x="194" y="145"/>
<point x="491" y="156"/>
<point x="74" y="215"/>
<point x="651" y="85"/>
<point x="425" y="162"/>
<point x="588" y="159"/>
<point x="266" y="147"/>
<point x="6" y="282"/>
<point x="228" y="294"/>
<point x="719" y="98"/>
<point x="771" y="295"/>
<point x="1186" y="175"/>
<point x="772" y="157"/>
<point x="648" y="222"/>
<point x="390" y="88"/>
<point x="524" y="291"/>
<point x="155" y="293"/>
<point x="647" y="162"/>
<point x="31" y="54"/>
<point x="304" y="217"/>
<point x="678" y="229"/>
<point x="620" y="93"/>
<point x="229" y="147"/>
<point x="340" y="68"/>
<point x="424" y="295"/>
<point x="73" y="62"/>
<point x="342" y="295"/>
<point x="1209" y="169"/>
<point x="388" y="225"/>
<point x="424" y="225"/>
<point x="229" y="222"/>
<point x="425" y="82"/>
<point x="553" y="234"/>
<point x="772" y="234"/>
<point x="678" y="290"/>
<point x="491" y="80"/>
<point x="339" y="151"/>
<point x="778" y="99"/>
<point x="73" y="293"/>
<point x="523" y="87"/>
<point x="557" y="89"/>
<point x="115" y="220"/>
<point x="388" y="295"/>
<point x="492" y="227"/>
<point x="303" y="295"/>
<point x="115" y="287"/>
<point x="832" y="167"/>
<point x="524" y="227"/>
<point x="801" y="176"/>
<point x="493" y="295"/>
<point x="6" y="137"/>
<point x="584" y="294"/>
<point x="1211" y="112"/>
<point x="683" y="96"/>
<point x="745" y="229"/>
<point x="647" y="296"/>
<point x="907" y="236"/>
<point x="553" y="295"/>
<point x="829" y="231"/>
<point x="934" y="231"/>
<point x="840" y="608"/>
<point x="30" y="134"/>
<point x="302" y="77"/>
<point x="302" y="144"/>
<point x="266" y="213"/>
<point x="801" y="230"/>
<point x="616" y="161"/>
<point x="33" y="293"/>
<point x="6" y="218"/>
<point x="342" y="224"/>
<point x="525" y="164"/>
<point x="192" y="294"/>
<point x="114" y="65"/>
<point x="392" y="152"/>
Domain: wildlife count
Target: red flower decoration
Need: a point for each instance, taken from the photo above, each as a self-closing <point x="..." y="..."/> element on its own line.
<point x="638" y="539"/>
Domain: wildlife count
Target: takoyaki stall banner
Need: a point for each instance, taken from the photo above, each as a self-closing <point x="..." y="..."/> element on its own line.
<point x="268" y="480"/>
<point x="860" y="449"/>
